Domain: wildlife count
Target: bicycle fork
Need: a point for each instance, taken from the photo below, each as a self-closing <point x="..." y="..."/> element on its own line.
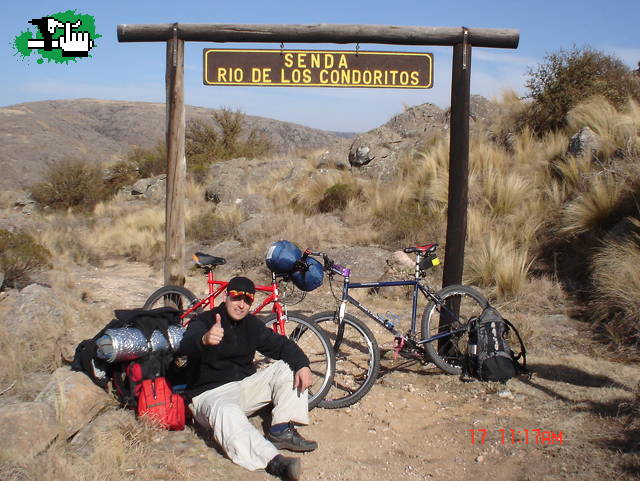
<point x="340" y="320"/>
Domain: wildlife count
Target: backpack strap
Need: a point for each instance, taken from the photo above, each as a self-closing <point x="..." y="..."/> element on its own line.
<point x="466" y="375"/>
<point x="522" y="366"/>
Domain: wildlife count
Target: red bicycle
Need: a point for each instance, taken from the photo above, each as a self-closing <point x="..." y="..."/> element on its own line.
<point x="312" y="340"/>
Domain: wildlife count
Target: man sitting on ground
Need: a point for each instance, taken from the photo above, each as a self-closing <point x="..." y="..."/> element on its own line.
<point x="220" y="345"/>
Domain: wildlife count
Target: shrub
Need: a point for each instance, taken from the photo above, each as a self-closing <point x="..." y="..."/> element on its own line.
<point x="224" y="139"/>
<point x="149" y="162"/>
<point x="74" y="184"/>
<point x="569" y="77"/>
<point x="119" y="175"/>
<point x="337" y="196"/>
<point x="214" y="224"/>
<point x="20" y="255"/>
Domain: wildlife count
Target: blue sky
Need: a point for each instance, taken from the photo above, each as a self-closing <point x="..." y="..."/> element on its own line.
<point x="135" y="71"/>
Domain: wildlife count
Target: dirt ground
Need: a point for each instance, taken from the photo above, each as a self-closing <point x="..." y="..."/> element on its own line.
<point x="569" y="421"/>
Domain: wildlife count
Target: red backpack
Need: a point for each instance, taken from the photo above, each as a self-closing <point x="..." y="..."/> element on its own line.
<point x="155" y="400"/>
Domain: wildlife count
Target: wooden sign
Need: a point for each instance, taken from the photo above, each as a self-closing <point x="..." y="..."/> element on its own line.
<point x="318" y="68"/>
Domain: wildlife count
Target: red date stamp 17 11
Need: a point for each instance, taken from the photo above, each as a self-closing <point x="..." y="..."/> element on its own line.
<point x="518" y="437"/>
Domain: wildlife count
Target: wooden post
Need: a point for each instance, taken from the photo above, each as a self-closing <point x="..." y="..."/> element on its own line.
<point x="176" y="163"/>
<point x="458" y="164"/>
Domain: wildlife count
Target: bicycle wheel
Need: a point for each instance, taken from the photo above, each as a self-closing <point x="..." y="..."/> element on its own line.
<point x="316" y="345"/>
<point x="177" y="297"/>
<point x="448" y="352"/>
<point x="357" y="359"/>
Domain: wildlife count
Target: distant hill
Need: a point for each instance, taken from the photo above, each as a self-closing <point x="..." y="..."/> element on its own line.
<point x="36" y="134"/>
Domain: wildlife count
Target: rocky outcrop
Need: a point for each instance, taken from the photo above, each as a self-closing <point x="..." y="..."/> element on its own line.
<point x="153" y="188"/>
<point x="375" y="153"/>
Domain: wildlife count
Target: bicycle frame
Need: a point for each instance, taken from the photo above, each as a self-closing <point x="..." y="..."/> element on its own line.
<point x="217" y="287"/>
<point x="418" y="286"/>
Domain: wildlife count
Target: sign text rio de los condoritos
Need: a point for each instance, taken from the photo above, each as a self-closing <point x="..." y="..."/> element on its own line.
<point x="318" y="68"/>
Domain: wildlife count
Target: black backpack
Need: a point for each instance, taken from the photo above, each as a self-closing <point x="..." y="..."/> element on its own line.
<point x="489" y="356"/>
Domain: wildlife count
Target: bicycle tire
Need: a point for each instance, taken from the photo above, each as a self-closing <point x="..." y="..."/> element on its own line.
<point x="316" y="345"/>
<point x="357" y="359"/>
<point x="177" y="297"/>
<point x="450" y="351"/>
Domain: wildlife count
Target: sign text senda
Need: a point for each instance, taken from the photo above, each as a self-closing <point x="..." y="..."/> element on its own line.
<point x="318" y="68"/>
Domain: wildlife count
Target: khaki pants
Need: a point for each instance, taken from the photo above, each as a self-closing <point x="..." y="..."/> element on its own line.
<point x="225" y="410"/>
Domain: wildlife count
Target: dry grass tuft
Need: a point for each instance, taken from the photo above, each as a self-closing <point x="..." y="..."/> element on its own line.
<point x="504" y="192"/>
<point x="615" y="296"/>
<point x="573" y="172"/>
<point x="593" y="208"/>
<point x="497" y="265"/>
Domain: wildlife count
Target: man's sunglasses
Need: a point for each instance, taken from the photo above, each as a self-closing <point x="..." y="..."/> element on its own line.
<point x="237" y="295"/>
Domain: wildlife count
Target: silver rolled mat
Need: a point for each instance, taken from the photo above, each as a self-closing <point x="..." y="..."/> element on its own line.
<point x="127" y="343"/>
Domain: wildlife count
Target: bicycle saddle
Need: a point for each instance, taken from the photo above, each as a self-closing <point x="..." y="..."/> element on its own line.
<point x="206" y="260"/>
<point x="426" y="249"/>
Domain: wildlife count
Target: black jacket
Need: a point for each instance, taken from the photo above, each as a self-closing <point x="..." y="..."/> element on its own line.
<point x="232" y="359"/>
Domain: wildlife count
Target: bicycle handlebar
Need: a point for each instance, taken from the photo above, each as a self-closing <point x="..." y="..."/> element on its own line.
<point x="329" y="265"/>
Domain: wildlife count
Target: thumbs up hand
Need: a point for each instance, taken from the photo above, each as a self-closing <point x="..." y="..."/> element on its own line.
<point x="214" y="336"/>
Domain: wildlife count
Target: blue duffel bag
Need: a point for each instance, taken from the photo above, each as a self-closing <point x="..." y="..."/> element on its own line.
<point x="282" y="256"/>
<point x="310" y="278"/>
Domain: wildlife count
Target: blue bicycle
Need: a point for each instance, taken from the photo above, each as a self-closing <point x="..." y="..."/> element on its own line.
<point x="443" y="339"/>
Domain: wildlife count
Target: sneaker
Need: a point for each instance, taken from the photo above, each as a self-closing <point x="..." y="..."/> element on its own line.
<point x="290" y="439"/>
<point x="288" y="469"/>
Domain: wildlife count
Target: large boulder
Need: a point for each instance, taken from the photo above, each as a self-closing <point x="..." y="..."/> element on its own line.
<point x="41" y="317"/>
<point x="75" y="399"/>
<point x="152" y="188"/>
<point x="26" y="429"/>
<point x="35" y="304"/>
<point x="375" y="153"/>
